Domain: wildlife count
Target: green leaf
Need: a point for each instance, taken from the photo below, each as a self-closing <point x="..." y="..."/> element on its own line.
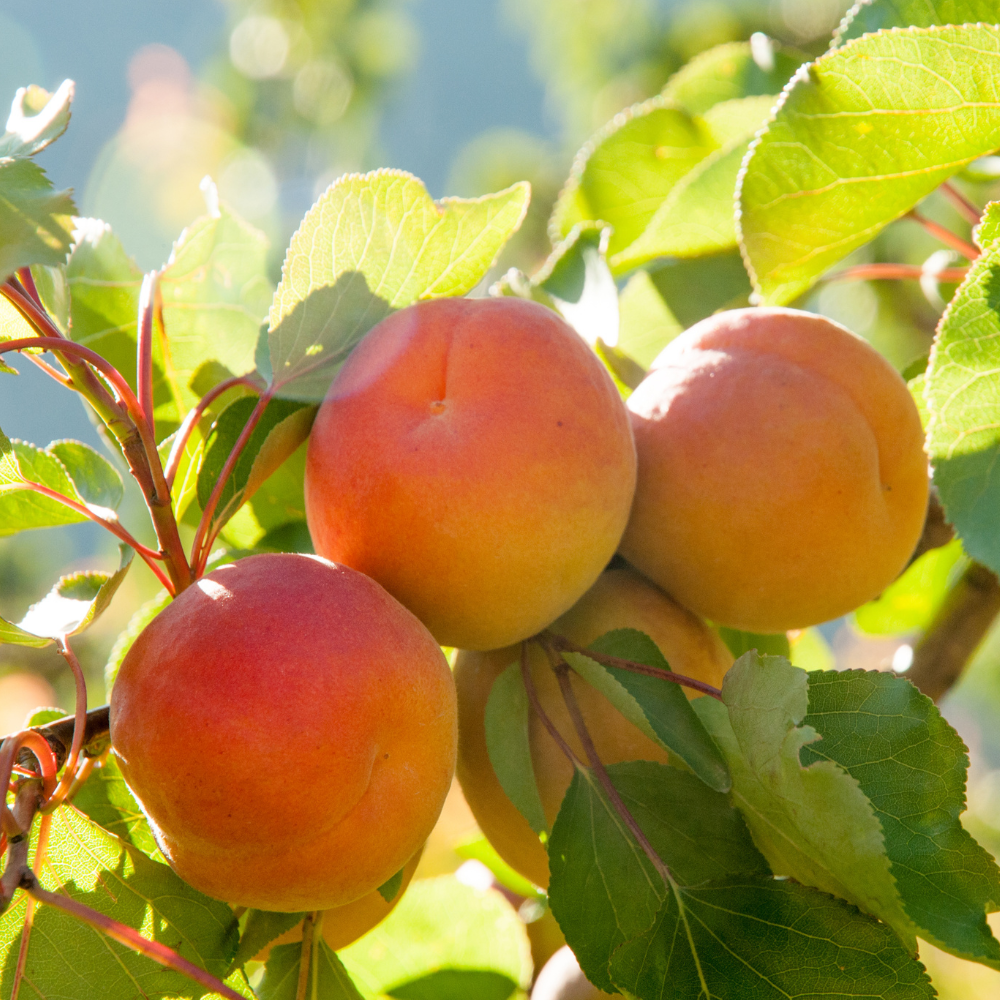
<point x="875" y="15"/>
<point x="910" y="602"/>
<point x="262" y="927"/>
<point x="215" y="293"/>
<point x="481" y="850"/>
<point x="813" y="823"/>
<point x="774" y="939"/>
<point x="626" y="170"/>
<point x="35" y="220"/>
<point x="283" y="427"/>
<point x="43" y="716"/>
<point x="961" y="390"/>
<point x="77" y="600"/>
<point x="646" y="325"/>
<point x="439" y="929"/>
<point x="695" y="288"/>
<point x="659" y="708"/>
<point x="16" y="636"/>
<point x="861" y="136"/>
<point x="96" y="480"/>
<point x="912" y="766"/>
<point x="146" y="613"/>
<point x="603" y="889"/>
<point x="389" y="890"/>
<point x="328" y="979"/>
<point x="507" y="720"/>
<point x="69" y="958"/>
<point x="36" y="119"/>
<point x="739" y="642"/>
<point x="731" y="71"/>
<point x="374" y="243"/>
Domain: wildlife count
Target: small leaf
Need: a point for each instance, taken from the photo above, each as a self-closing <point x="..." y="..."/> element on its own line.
<point x="282" y="428"/>
<point x="739" y="642"/>
<point x="646" y="324"/>
<point x="659" y="708"/>
<point x="43" y="716"/>
<point x="77" y="600"/>
<point x="507" y="742"/>
<point x="813" y="823"/>
<point x="328" y="979"/>
<point x="374" y="243"/>
<point x="96" y="480"/>
<point x="481" y="850"/>
<point x="961" y="389"/>
<point x="36" y="119"/>
<point x="389" y="890"/>
<point x="262" y="927"/>
<point x="861" y="135"/>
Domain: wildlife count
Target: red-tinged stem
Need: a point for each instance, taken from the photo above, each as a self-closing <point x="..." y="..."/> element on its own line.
<point x="126" y="936"/>
<point x="565" y="645"/>
<point x="144" y="347"/>
<point x="28" y="284"/>
<point x="83" y="772"/>
<point x="63" y="380"/>
<point x="597" y="765"/>
<point x="9" y="749"/>
<point x="967" y="209"/>
<point x="191" y="420"/>
<point x="529" y="686"/>
<point x="23" y="815"/>
<point x="29" y="911"/>
<point x="148" y="555"/>
<point x="79" y="728"/>
<point x="205" y="535"/>
<point x="945" y="235"/>
<point x="877" y="272"/>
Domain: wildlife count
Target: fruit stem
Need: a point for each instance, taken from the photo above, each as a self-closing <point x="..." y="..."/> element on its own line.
<point x="964" y="206"/>
<point x="563" y="644"/>
<point x="958" y="628"/>
<point x="308" y="954"/>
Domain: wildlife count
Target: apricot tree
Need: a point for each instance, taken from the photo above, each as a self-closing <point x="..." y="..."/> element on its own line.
<point x="282" y="728"/>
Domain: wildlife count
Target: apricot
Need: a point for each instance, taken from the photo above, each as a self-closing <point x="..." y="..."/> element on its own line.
<point x="343" y="925"/>
<point x="782" y="477"/>
<point x="290" y="731"/>
<point x="620" y="598"/>
<point x="474" y="457"/>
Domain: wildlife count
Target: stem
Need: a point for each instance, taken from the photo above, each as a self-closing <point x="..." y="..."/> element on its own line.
<point x="63" y="380"/>
<point x="964" y="206"/>
<point x="9" y="750"/>
<point x="306" y="959"/>
<point x="144" y="347"/>
<point x="28" y="284"/>
<point x="191" y="420"/>
<point x="57" y="736"/>
<point x="946" y="236"/>
<point x="204" y="536"/>
<point x="597" y="765"/>
<point x="529" y="686"/>
<point x="877" y="272"/>
<point x="937" y="531"/>
<point x="957" y="630"/>
<point x="79" y="728"/>
<point x="29" y="912"/>
<point x="126" y="936"/>
<point x="563" y="644"/>
<point x="25" y="807"/>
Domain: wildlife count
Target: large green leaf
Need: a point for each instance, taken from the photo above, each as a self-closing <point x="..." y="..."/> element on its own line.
<point x="443" y="935"/>
<point x="216" y="294"/>
<point x="659" y="708"/>
<point x="912" y="765"/>
<point x="327" y="978"/>
<point x="646" y="323"/>
<point x="70" y="959"/>
<point x="261" y="928"/>
<point x="374" y="243"/>
<point x="861" y="136"/>
<point x="961" y="389"/>
<point x="875" y="15"/>
<point x="813" y="823"/>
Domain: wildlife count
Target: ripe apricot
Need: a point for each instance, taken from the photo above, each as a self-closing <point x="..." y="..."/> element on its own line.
<point x="343" y="925"/>
<point x="620" y="598"/>
<point x="475" y="458"/>
<point x="289" y="729"/>
<point x="782" y="477"/>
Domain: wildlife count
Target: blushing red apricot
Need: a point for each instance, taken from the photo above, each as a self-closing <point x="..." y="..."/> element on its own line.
<point x="621" y="598"/>
<point x="474" y="457"/>
<point x="782" y="477"/>
<point x="290" y="731"/>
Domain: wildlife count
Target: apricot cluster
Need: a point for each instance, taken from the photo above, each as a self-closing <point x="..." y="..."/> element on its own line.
<point x="289" y="722"/>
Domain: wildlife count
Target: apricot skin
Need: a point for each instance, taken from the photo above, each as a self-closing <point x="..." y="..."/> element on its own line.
<point x="290" y="731"/>
<point x="475" y="458"/>
<point x="620" y="599"/>
<point x="782" y="477"/>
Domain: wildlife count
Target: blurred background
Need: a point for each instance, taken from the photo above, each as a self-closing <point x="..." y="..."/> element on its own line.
<point x="276" y="98"/>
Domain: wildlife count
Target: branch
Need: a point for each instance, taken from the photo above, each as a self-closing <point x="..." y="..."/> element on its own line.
<point x="79" y="728"/>
<point x="946" y="236"/>
<point x="874" y="272"/>
<point x="937" y="531"/>
<point x="957" y="630"/>
<point x="972" y="214"/>
<point x="58" y="735"/>
<point x="529" y="686"/>
<point x="29" y="911"/>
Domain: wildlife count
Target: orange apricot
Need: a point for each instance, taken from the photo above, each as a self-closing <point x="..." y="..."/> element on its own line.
<point x="474" y="457"/>
<point x="289" y="729"/>
<point x="619" y="599"/>
<point x="782" y="477"/>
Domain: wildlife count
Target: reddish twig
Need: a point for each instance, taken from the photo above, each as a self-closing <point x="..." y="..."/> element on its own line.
<point x="144" y="348"/>
<point x="29" y="910"/>
<point x="529" y="686"/>
<point x="125" y="935"/>
<point x="27" y="282"/>
<point x="946" y="236"/>
<point x="31" y="740"/>
<point x="964" y="206"/>
<point x="562" y="644"/>
<point x="880" y="272"/>
<point x="79" y="728"/>
<point x="192" y="418"/>
<point x="205" y="535"/>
